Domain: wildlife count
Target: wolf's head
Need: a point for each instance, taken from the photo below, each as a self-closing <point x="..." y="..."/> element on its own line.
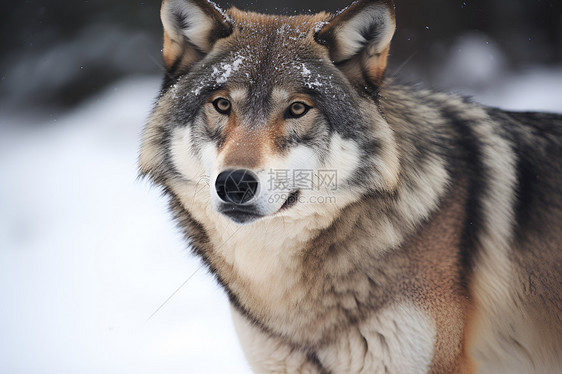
<point x="263" y="116"/>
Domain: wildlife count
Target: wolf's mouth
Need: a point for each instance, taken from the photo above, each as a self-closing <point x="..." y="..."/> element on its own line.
<point x="248" y="214"/>
<point x="240" y="214"/>
<point x="291" y="200"/>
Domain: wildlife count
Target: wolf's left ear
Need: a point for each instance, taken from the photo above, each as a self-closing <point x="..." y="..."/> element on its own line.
<point x="191" y="28"/>
<point x="358" y="39"/>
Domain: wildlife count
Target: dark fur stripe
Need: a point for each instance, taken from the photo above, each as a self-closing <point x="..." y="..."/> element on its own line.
<point x="471" y="164"/>
<point x="313" y="359"/>
<point x="532" y="134"/>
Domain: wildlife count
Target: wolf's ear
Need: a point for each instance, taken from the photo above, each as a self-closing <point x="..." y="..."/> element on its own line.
<point x="191" y="28"/>
<point x="358" y="38"/>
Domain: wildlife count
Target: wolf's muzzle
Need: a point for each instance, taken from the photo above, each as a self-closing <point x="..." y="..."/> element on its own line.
<point x="237" y="187"/>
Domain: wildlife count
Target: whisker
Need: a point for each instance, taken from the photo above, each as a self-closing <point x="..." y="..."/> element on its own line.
<point x="404" y="64"/>
<point x="203" y="178"/>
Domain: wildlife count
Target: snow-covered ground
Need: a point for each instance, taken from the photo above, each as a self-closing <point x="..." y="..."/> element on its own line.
<point x="88" y="252"/>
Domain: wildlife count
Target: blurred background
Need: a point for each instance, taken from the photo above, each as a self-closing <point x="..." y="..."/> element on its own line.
<point x="59" y="53"/>
<point x="93" y="275"/>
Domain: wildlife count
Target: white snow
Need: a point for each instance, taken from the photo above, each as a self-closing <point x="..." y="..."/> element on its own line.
<point x="536" y="88"/>
<point x="221" y="73"/>
<point x="305" y="71"/>
<point x="320" y="25"/>
<point x="227" y="69"/>
<point x="313" y="81"/>
<point x="220" y="10"/>
<point x="88" y="252"/>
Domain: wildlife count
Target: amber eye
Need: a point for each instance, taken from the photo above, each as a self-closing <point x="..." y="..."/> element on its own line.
<point x="222" y="106"/>
<point x="297" y="110"/>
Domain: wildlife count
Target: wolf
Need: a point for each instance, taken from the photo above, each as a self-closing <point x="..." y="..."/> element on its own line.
<point x="357" y="225"/>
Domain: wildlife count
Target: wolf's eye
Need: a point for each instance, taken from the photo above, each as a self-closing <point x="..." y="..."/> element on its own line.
<point x="297" y="110"/>
<point x="222" y="105"/>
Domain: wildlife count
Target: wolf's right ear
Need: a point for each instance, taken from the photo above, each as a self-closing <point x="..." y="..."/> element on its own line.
<point x="191" y="28"/>
<point x="358" y="39"/>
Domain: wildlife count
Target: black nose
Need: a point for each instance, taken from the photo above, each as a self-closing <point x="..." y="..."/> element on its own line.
<point x="236" y="186"/>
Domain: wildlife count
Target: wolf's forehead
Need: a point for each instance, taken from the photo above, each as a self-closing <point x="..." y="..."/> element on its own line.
<point x="271" y="45"/>
<point x="271" y="53"/>
<point x="262" y="63"/>
<point x="258" y="25"/>
<point x="273" y="35"/>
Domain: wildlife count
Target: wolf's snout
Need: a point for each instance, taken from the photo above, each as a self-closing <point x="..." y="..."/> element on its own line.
<point x="237" y="186"/>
